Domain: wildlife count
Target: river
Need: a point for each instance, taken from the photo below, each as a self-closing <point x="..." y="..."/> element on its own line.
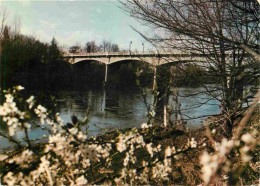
<point x="114" y="108"/>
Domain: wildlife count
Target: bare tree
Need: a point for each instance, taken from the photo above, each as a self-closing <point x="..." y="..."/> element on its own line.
<point x="114" y="48"/>
<point x="106" y="46"/>
<point x="17" y="25"/>
<point x="90" y="47"/>
<point x="74" y="49"/>
<point x="3" y="25"/>
<point x="224" y="32"/>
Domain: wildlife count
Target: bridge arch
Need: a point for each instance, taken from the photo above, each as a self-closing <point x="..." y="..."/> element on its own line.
<point x="122" y="60"/>
<point x="80" y="60"/>
<point x="174" y="63"/>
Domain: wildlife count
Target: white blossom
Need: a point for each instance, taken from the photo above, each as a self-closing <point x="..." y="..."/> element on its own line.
<point x="149" y="148"/>
<point x="30" y="101"/>
<point x="145" y="126"/>
<point x="193" y="143"/>
<point x="168" y="151"/>
<point x="248" y="138"/>
<point x="9" y="98"/>
<point x="209" y="165"/>
<point x="81" y="180"/>
<point x="19" y="87"/>
<point x="10" y="179"/>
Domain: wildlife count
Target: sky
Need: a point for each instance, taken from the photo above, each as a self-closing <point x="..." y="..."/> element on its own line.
<point x="76" y="22"/>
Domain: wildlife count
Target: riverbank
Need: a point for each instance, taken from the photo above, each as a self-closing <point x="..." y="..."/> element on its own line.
<point x="149" y="148"/>
<point x="147" y="155"/>
<point x="189" y="147"/>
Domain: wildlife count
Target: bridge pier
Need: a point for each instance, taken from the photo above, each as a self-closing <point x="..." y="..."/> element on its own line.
<point x="154" y="77"/>
<point x="105" y="81"/>
<point x="106" y="74"/>
<point x="165" y="115"/>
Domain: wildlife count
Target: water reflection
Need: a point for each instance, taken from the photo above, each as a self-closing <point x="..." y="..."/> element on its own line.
<point x="110" y="109"/>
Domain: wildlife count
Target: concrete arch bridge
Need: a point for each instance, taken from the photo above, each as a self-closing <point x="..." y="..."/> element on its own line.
<point x="154" y="59"/>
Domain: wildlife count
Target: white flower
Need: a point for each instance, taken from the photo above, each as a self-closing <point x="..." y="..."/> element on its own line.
<point x="30" y="101"/>
<point x="40" y="109"/>
<point x="246" y="158"/>
<point x="248" y="138"/>
<point x="10" y="178"/>
<point x="193" y="143"/>
<point x="245" y="149"/>
<point x="27" y="180"/>
<point x="11" y="131"/>
<point x="145" y="126"/>
<point x="12" y="121"/>
<point x="139" y="140"/>
<point x="3" y="157"/>
<point x="81" y="180"/>
<point x="225" y="177"/>
<point x="119" y="181"/>
<point x="9" y="98"/>
<point x="58" y="118"/>
<point x="19" y="87"/>
<point x="86" y="163"/>
<point x="41" y="113"/>
<point x="27" y="125"/>
<point x="126" y="160"/>
<point x="3" y="111"/>
<point x="150" y="149"/>
<point x="44" y="164"/>
<point x="160" y="171"/>
<point x="73" y="131"/>
<point x="209" y="165"/>
<point x="82" y="136"/>
<point x="121" y="146"/>
<point x="144" y="163"/>
<point x="152" y="113"/>
<point x="225" y="146"/>
<point x="24" y="157"/>
<point x="173" y="150"/>
<point x="168" y="151"/>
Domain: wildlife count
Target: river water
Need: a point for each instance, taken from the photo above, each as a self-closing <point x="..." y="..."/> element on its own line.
<point x="110" y="109"/>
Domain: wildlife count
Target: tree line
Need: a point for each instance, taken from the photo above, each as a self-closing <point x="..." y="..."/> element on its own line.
<point x="27" y="61"/>
<point x="92" y="47"/>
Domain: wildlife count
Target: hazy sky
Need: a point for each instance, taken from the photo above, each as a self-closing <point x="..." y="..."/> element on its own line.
<point x="76" y="22"/>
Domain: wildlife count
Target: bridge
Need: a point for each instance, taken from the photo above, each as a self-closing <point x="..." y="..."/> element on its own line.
<point x="154" y="59"/>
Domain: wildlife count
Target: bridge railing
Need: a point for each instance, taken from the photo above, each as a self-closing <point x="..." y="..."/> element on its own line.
<point x="106" y="53"/>
<point x="123" y="53"/>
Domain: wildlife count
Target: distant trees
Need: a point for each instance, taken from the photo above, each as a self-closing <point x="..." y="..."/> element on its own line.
<point x="92" y="47"/>
<point x="27" y="61"/>
<point x="75" y="49"/>
<point x="53" y="51"/>
<point x="114" y="48"/>
<point x="107" y="46"/>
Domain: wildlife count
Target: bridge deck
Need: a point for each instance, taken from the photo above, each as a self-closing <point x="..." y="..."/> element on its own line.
<point x="128" y="54"/>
